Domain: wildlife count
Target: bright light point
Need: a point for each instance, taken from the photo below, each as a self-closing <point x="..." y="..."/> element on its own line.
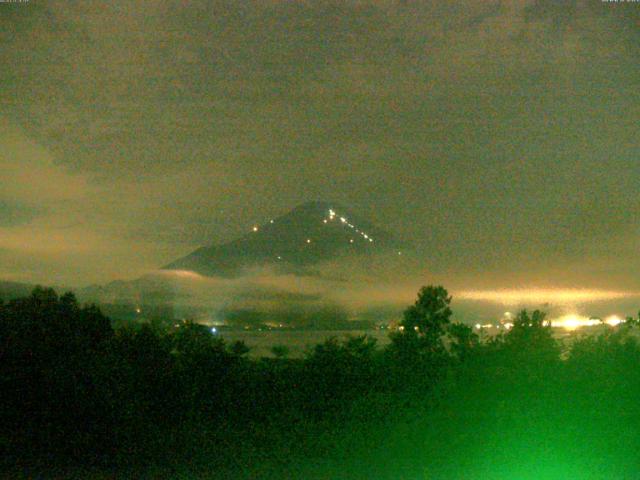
<point x="371" y="239"/>
<point x="573" y="321"/>
<point x="324" y="221"/>
<point x="478" y="326"/>
<point x="351" y="240"/>
<point x="270" y="221"/>
<point x="613" y="320"/>
<point x="214" y="329"/>
<point x="399" y="253"/>
<point x="255" y="228"/>
<point x="366" y="236"/>
<point x="138" y="310"/>
<point x="308" y="240"/>
<point x="343" y="220"/>
<point x="279" y="257"/>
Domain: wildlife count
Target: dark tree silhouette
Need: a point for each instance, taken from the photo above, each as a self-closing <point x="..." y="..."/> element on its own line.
<point x="75" y="392"/>
<point x="239" y="348"/>
<point x="430" y="314"/>
<point x="424" y="324"/>
<point x="633" y="322"/>
<point x="195" y="339"/>
<point x="280" y="351"/>
<point x="532" y="335"/>
<point x="462" y="340"/>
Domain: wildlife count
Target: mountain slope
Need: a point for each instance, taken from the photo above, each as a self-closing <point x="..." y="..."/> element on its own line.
<point x="309" y="234"/>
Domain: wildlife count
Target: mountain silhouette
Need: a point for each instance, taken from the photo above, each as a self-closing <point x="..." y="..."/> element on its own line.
<point x="306" y="236"/>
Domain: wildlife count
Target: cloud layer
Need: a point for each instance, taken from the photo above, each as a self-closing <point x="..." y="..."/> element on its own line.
<point x="499" y="137"/>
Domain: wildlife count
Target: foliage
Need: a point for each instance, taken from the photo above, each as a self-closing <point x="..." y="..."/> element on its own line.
<point x="429" y="315"/>
<point x="239" y="348"/>
<point x="280" y="351"/>
<point x="140" y="402"/>
<point x="530" y="336"/>
<point x="423" y="326"/>
<point x="462" y="340"/>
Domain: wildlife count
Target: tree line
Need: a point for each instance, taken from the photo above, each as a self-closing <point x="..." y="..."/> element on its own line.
<point x="79" y="396"/>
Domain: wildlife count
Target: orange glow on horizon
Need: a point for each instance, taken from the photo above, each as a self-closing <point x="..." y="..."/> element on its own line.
<point x="518" y="296"/>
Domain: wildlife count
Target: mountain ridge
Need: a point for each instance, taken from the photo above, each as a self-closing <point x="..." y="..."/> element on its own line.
<point x="305" y="236"/>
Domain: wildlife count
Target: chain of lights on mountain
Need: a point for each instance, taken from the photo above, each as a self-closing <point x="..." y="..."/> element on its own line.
<point x="344" y="221"/>
<point x="332" y="215"/>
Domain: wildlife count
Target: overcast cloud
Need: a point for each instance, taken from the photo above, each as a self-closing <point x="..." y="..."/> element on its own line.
<point x="501" y="138"/>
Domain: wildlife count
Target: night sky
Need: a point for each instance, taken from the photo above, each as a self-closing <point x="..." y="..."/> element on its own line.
<point x="502" y="139"/>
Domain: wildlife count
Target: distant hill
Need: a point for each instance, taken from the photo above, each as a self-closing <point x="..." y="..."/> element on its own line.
<point x="309" y="234"/>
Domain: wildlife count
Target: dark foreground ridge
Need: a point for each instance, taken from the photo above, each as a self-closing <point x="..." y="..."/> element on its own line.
<point x="82" y="400"/>
<point x="310" y="233"/>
